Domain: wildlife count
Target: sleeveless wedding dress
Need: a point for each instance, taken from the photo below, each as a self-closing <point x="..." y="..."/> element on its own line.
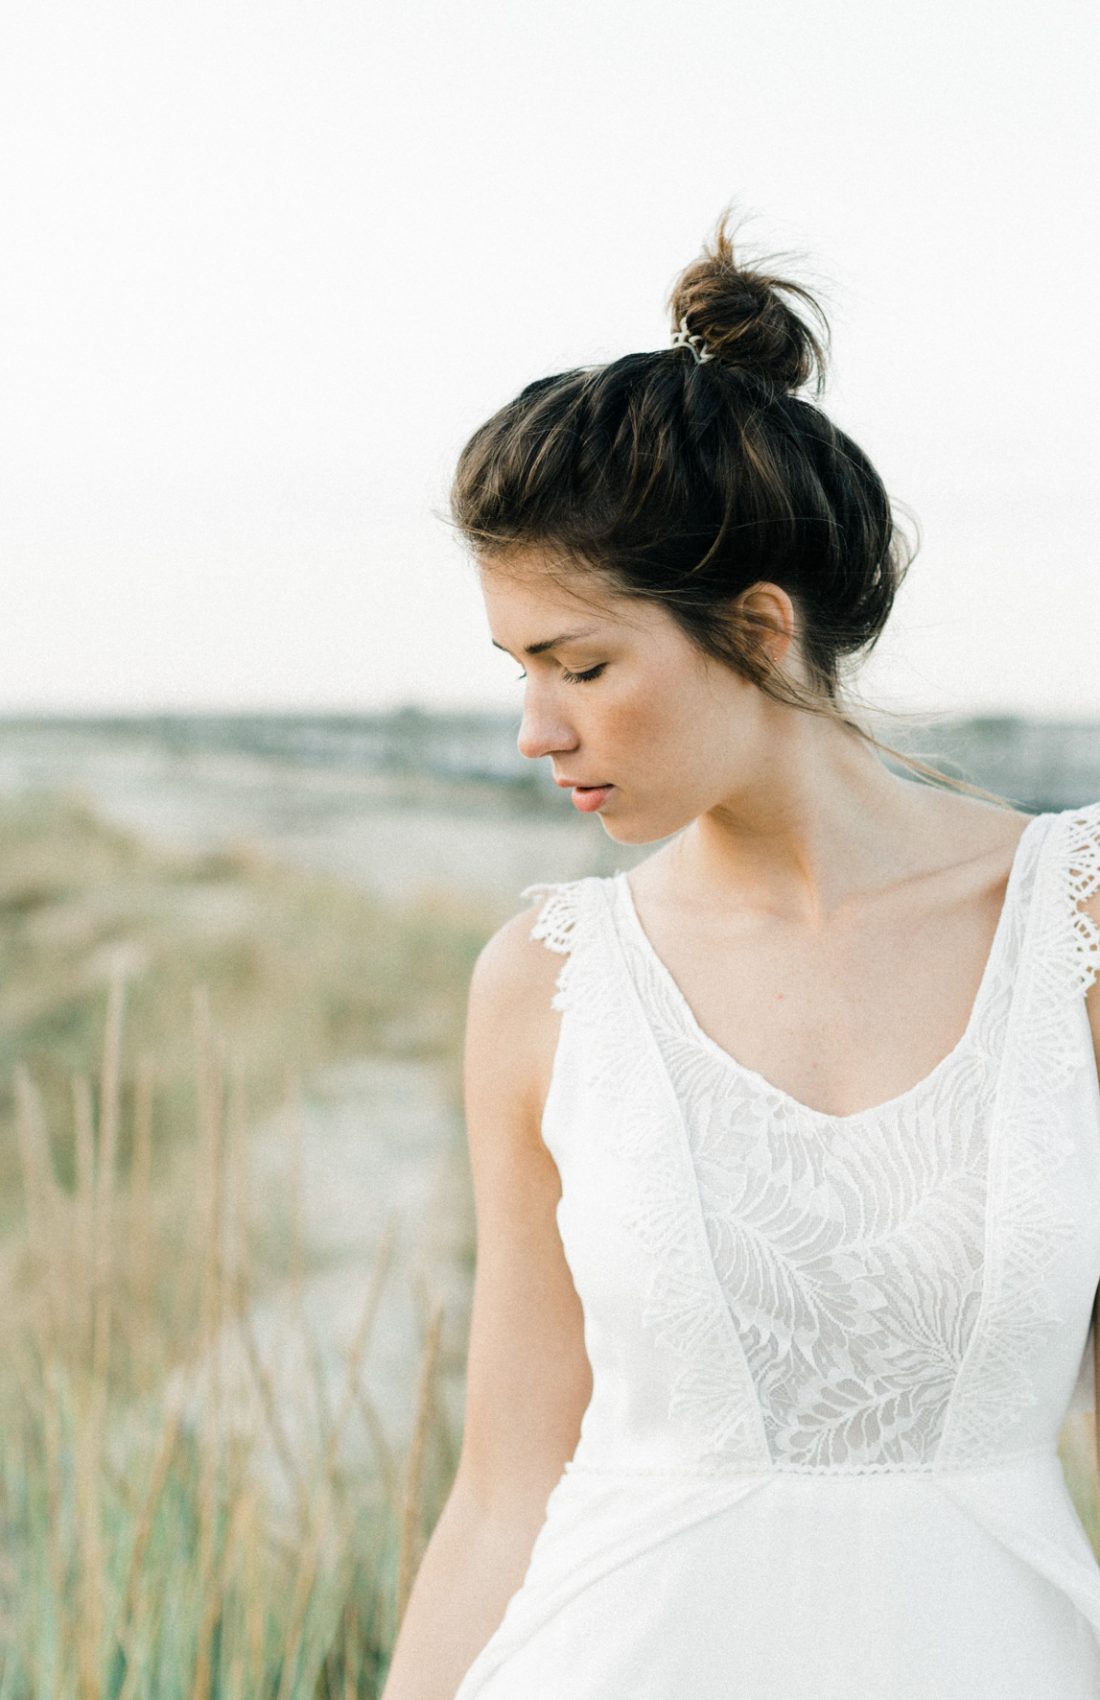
<point x="832" y="1355"/>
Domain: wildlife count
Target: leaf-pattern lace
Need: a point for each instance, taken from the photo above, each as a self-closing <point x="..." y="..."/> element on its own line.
<point x="858" y="1293"/>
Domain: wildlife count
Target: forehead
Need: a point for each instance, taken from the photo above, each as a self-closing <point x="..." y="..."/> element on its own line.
<point x="530" y="607"/>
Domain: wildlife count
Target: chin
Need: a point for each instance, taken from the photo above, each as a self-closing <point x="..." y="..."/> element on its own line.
<point x="628" y="832"/>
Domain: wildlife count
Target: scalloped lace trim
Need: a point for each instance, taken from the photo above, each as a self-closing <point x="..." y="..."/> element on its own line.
<point x="558" y="925"/>
<point x="1082" y="874"/>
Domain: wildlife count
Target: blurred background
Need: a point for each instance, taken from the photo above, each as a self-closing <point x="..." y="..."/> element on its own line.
<point x="266" y="268"/>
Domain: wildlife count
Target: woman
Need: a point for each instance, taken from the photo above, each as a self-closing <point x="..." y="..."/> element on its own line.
<point x="786" y="1152"/>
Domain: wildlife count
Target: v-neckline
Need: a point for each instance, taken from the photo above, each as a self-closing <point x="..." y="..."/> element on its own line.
<point x="694" y="1031"/>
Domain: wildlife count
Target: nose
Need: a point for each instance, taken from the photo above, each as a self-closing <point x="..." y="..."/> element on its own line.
<point x="542" y="733"/>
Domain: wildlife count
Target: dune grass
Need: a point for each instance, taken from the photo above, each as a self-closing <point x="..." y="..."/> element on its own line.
<point x="139" y="1555"/>
<point x="153" y="1007"/>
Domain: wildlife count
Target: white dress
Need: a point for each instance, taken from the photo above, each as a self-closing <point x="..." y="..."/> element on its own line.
<point x="831" y="1355"/>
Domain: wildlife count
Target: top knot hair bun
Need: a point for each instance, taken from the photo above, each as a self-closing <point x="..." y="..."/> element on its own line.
<point x="735" y="315"/>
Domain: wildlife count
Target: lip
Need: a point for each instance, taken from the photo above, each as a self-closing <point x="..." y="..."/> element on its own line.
<point x="591" y="799"/>
<point x="579" y="785"/>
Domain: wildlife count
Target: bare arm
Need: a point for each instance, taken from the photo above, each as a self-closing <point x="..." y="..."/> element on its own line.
<point x="528" y="1378"/>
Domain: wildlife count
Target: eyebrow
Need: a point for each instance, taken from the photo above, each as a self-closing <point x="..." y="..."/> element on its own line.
<point x="549" y="643"/>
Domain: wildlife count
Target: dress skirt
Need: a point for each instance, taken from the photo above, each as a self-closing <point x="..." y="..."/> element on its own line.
<point x="965" y="1585"/>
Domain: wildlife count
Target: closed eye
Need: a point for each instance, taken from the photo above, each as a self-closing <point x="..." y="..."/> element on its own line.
<point x="576" y="678"/>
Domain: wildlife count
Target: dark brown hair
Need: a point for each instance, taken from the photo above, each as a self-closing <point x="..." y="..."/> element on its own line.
<point x="685" y="481"/>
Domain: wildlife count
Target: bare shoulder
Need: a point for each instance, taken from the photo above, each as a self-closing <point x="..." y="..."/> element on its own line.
<point x="511" y="959"/>
<point x="972" y="828"/>
<point x="511" y="1027"/>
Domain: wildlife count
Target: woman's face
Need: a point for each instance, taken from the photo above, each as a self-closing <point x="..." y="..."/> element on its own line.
<point x="619" y="696"/>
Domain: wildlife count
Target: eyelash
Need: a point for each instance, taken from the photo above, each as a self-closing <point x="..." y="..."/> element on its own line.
<point x="577" y="678"/>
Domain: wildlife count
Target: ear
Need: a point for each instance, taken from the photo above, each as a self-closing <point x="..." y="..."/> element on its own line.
<point x="771" y="604"/>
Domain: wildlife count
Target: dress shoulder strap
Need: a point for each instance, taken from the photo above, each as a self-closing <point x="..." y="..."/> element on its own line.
<point x="570" y="920"/>
<point x="1082" y="872"/>
<point x="1067" y="941"/>
<point x="1066" y="960"/>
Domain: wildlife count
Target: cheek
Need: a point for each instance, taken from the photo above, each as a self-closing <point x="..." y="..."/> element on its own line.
<point x="658" y="719"/>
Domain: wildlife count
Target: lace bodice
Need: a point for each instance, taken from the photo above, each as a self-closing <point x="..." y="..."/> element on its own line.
<point x="867" y="1292"/>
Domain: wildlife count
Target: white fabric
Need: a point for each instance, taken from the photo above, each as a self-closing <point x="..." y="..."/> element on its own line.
<point x="832" y="1355"/>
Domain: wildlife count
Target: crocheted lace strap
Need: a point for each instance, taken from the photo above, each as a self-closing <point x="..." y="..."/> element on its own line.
<point x="1076" y="877"/>
<point x="566" y="922"/>
<point x="1079" y="873"/>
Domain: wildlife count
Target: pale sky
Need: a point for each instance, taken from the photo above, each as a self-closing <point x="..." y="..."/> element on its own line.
<point x="267" y="265"/>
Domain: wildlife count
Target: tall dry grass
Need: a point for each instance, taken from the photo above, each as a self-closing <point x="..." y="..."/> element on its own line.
<point x="141" y="1553"/>
<point x="296" y="962"/>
